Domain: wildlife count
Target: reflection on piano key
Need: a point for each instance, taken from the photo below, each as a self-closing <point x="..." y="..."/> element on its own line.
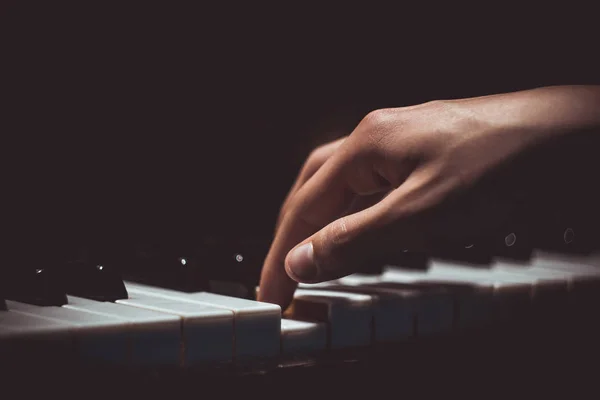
<point x="157" y="337"/>
<point x="348" y="315"/>
<point x="207" y="331"/>
<point x="98" y="337"/>
<point x="257" y="325"/>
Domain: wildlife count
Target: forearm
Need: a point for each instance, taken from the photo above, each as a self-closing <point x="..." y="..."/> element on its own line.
<point x="535" y="116"/>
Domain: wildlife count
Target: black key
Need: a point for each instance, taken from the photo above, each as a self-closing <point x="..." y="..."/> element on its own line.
<point x="40" y="286"/>
<point x="475" y="253"/>
<point x="565" y="231"/>
<point x="512" y="240"/>
<point x="233" y="268"/>
<point x="91" y="280"/>
<point x="408" y="260"/>
<point x="165" y="267"/>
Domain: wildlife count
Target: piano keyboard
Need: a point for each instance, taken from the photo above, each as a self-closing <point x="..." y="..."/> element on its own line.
<point x="159" y="328"/>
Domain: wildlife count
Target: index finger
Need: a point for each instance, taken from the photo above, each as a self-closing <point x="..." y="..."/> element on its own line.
<point x="323" y="198"/>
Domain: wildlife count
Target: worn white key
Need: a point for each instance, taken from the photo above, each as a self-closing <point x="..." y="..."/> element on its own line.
<point x="98" y="337"/>
<point x="348" y="315"/>
<point x="257" y="325"/>
<point x="302" y="337"/>
<point x="157" y="336"/>
<point x="207" y="331"/>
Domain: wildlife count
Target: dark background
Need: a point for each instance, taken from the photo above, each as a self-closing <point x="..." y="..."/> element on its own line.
<point x="160" y="121"/>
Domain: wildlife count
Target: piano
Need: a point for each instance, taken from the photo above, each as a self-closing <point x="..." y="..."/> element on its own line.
<point x="172" y="320"/>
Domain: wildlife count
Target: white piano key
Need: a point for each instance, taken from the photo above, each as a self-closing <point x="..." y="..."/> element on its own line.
<point x="505" y="276"/>
<point x="394" y="310"/>
<point x="27" y="340"/>
<point x="431" y="309"/>
<point x="583" y="275"/>
<point x="257" y="324"/>
<point x="500" y="294"/>
<point x="437" y="313"/>
<point x="579" y="270"/>
<point x="545" y="282"/>
<point x="98" y="337"/>
<point x="517" y="290"/>
<point x="207" y="331"/>
<point x="512" y="293"/>
<point x="302" y="337"/>
<point x="30" y="328"/>
<point x="348" y="315"/>
<point x="157" y="336"/>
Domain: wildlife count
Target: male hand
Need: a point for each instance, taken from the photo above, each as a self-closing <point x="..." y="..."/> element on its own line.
<point x="406" y="178"/>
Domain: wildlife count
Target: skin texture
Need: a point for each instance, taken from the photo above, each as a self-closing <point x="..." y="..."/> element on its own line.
<point x="405" y="175"/>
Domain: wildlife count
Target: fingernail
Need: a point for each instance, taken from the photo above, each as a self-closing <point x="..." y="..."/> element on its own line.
<point x="301" y="263"/>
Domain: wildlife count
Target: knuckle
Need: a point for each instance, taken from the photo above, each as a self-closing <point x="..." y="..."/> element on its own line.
<point x="321" y="154"/>
<point x="338" y="232"/>
<point x="377" y="118"/>
<point x="318" y="155"/>
<point x="378" y="126"/>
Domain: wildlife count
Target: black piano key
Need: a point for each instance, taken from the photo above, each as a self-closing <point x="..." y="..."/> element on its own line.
<point x="34" y="285"/>
<point x="474" y="253"/>
<point x="512" y="240"/>
<point x="556" y="232"/>
<point x="166" y="266"/>
<point x="93" y="280"/>
<point x="233" y="267"/>
<point x="405" y="259"/>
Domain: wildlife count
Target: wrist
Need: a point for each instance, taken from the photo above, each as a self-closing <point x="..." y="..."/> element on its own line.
<point x="538" y="115"/>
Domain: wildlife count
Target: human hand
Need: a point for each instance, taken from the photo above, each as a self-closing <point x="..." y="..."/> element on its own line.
<point x="387" y="187"/>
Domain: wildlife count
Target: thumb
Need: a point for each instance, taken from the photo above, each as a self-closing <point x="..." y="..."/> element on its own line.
<point x="340" y="248"/>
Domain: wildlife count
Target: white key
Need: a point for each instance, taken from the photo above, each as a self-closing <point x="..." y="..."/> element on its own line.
<point x="512" y="293"/>
<point x="302" y="338"/>
<point x="578" y="269"/>
<point x="583" y="275"/>
<point x="157" y="337"/>
<point x="25" y="338"/>
<point x="434" y="305"/>
<point x="257" y="325"/>
<point x="207" y="331"/>
<point x="516" y="288"/>
<point x="348" y="315"/>
<point x="394" y="310"/>
<point x="426" y="310"/>
<point x="494" y="294"/>
<point x="98" y="337"/>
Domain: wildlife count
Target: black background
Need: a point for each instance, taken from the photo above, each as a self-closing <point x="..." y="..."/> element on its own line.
<point x="170" y="122"/>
